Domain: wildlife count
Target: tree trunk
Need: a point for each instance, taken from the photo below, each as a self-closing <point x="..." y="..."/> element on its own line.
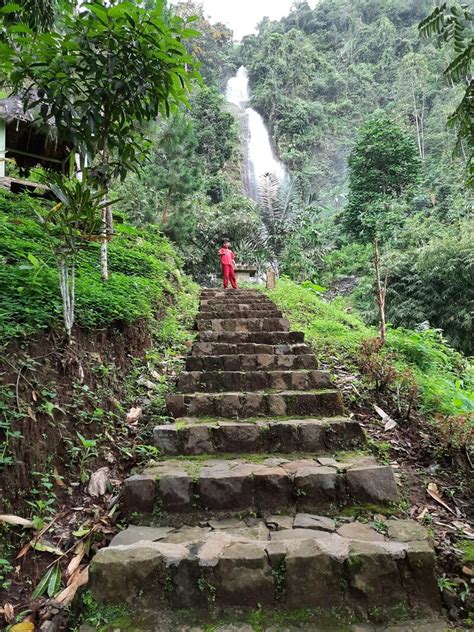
<point x="67" y="286"/>
<point x="107" y="226"/>
<point x="381" y="291"/>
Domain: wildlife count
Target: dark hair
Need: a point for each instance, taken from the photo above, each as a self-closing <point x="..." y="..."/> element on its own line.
<point x="225" y="240"/>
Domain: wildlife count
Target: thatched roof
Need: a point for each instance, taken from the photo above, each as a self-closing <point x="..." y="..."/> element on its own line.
<point x="11" y="109"/>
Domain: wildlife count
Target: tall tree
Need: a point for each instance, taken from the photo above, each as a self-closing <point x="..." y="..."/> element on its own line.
<point x="383" y="165"/>
<point x="109" y="70"/>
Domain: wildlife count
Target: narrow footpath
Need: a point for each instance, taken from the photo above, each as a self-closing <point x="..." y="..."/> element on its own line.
<point x="250" y="505"/>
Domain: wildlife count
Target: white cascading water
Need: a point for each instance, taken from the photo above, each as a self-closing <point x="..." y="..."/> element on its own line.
<point x="259" y="155"/>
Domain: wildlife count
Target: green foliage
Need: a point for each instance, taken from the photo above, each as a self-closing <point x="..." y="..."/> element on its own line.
<point x="215" y="129"/>
<point x="454" y="22"/>
<point x="144" y="264"/>
<point x="445" y="378"/>
<point x="434" y="284"/>
<point x="212" y="48"/>
<point x="383" y="164"/>
<point x="117" y="66"/>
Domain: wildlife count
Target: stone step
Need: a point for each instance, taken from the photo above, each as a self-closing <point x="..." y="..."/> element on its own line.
<point x="315" y="563"/>
<point x="242" y="325"/>
<point x="324" y="402"/>
<point x="190" y="436"/>
<point x="255" y="337"/>
<point x="241" y="304"/>
<point x="217" y="349"/>
<point x="267" y="483"/>
<point x="220" y="381"/>
<point x="250" y="362"/>
<point x="229" y="293"/>
<point x="270" y="312"/>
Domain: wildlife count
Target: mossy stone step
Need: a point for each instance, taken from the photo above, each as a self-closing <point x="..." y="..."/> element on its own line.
<point x="230" y="312"/>
<point x="242" y="325"/>
<point x="255" y="337"/>
<point x="248" y="566"/>
<point x="251" y="362"/>
<point x="248" y="348"/>
<point x="265" y="484"/>
<point x="219" y="381"/>
<point x="323" y="402"/>
<point x="190" y="436"/>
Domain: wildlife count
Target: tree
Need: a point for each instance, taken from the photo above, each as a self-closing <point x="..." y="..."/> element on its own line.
<point x="70" y="225"/>
<point x="383" y="165"/>
<point x="39" y="15"/>
<point x="111" y="68"/>
<point x="169" y="177"/>
<point x="216" y="130"/>
<point x="453" y="21"/>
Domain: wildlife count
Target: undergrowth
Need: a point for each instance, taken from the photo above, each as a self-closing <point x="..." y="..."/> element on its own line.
<point x="144" y="271"/>
<point x="444" y="377"/>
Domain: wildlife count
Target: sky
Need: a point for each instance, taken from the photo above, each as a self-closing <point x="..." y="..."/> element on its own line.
<point x="242" y="16"/>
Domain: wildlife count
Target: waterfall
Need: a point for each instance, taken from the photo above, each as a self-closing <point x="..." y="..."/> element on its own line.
<point x="259" y="157"/>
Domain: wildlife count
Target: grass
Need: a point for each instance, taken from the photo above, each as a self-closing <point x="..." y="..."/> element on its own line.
<point x="467" y="547"/>
<point x="336" y="332"/>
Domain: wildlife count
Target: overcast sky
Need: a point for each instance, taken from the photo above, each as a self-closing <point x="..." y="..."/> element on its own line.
<point x="242" y="16"/>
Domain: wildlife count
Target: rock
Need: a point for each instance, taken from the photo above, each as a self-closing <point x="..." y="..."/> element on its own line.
<point x="225" y="488"/>
<point x="234" y="627"/>
<point x="118" y="574"/>
<point x="237" y="437"/>
<point x="227" y="523"/>
<point x="374" y="576"/>
<point x="278" y="523"/>
<point x="406" y="530"/>
<point x="316" y="485"/>
<point x="166" y="439"/>
<point x="272" y="489"/>
<point x="98" y="482"/>
<point x="308" y="521"/>
<point x="361" y="532"/>
<point x="139" y="493"/>
<point x="133" y="534"/>
<point x="372" y="483"/>
<point x="197" y="440"/>
<point x="175" y="491"/>
<point x="243" y="576"/>
<point x="298" y="534"/>
<point x="314" y="578"/>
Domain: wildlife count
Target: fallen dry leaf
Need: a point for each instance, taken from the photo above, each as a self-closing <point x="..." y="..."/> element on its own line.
<point x="8" y="612"/>
<point x="26" y="626"/>
<point x="76" y="560"/>
<point x="78" y="579"/>
<point x="438" y="498"/>
<point x="46" y="547"/>
<point x="31" y="414"/>
<point x="98" y="482"/>
<point x="388" y="421"/>
<point x="468" y="571"/>
<point x="16" y="520"/>
<point x="133" y="415"/>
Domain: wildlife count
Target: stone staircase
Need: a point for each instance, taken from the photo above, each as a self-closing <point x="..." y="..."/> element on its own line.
<point x="251" y="504"/>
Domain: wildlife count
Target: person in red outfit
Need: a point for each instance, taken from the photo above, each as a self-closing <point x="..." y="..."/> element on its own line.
<point x="228" y="264"/>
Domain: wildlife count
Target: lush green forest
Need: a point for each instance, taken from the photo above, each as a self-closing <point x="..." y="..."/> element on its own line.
<point x="328" y="81"/>
<point x="371" y="234"/>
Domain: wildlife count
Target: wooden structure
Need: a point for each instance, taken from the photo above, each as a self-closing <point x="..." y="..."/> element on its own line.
<point x="27" y="143"/>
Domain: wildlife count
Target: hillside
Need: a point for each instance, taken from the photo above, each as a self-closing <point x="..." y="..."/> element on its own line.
<point x="175" y="457"/>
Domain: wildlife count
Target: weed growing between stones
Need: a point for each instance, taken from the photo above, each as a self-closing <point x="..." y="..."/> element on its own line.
<point x="279" y="575"/>
<point x="206" y="587"/>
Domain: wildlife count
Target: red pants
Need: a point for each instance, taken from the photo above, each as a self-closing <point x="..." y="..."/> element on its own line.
<point x="228" y="273"/>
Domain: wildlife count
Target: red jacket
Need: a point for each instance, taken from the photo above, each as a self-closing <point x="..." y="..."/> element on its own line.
<point x="227" y="256"/>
